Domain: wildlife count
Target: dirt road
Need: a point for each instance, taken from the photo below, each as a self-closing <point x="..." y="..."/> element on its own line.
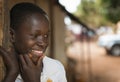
<point x="93" y="64"/>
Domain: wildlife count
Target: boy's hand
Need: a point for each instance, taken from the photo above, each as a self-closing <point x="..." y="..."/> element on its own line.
<point x="11" y="63"/>
<point x="29" y="71"/>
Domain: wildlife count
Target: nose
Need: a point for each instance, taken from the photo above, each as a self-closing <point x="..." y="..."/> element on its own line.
<point x="41" y="41"/>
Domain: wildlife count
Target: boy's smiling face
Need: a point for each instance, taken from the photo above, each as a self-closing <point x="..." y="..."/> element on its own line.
<point x="31" y="37"/>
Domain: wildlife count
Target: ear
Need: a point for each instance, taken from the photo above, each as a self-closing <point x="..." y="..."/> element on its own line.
<point x="12" y="35"/>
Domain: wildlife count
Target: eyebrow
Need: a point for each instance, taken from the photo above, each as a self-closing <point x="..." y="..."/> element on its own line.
<point x="41" y="32"/>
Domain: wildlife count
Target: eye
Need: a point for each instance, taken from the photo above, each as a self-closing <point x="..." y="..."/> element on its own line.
<point x="45" y="36"/>
<point x="33" y="36"/>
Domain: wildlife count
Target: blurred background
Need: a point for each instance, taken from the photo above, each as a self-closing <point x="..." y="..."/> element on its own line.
<point x="85" y="37"/>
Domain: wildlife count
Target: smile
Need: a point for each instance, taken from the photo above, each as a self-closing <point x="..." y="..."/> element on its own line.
<point x="36" y="53"/>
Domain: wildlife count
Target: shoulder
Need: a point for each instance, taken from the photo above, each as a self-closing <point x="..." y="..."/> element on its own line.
<point x="54" y="70"/>
<point x="53" y="65"/>
<point x="47" y="61"/>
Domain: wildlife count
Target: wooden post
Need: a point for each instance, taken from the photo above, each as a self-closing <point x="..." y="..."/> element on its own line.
<point x="1" y="35"/>
<point x="5" y="33"/>
<point x="51" y="14"/>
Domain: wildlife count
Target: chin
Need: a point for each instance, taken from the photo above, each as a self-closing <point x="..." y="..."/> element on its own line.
<point x="34" y="60"/>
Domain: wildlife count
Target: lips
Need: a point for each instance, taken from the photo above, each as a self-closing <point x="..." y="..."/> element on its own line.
<point x="35" y="55"/>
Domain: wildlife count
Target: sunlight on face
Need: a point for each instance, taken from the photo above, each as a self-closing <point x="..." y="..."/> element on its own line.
<point x="70" y="5"/>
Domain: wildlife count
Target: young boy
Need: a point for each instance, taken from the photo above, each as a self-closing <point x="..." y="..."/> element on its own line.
<point x="26" y="61"/>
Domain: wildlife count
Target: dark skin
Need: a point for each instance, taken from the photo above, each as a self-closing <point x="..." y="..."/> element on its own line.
<point x="30" y="38"/>
<point x="12" y="67"/>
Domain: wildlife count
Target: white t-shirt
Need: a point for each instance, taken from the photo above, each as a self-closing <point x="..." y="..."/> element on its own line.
<point x="53" y="71"/>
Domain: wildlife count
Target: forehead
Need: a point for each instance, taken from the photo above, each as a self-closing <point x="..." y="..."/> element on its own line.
<point x="35" y="22"/>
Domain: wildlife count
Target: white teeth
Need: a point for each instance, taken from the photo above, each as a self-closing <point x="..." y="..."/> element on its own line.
<point x="37" y="51"/>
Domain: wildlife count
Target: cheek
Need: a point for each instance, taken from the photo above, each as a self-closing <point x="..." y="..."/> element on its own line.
<point x="25" y="45"/>
<point x="31" y="42"/>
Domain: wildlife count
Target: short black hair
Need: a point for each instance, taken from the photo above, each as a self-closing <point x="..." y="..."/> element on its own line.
<point x="19" y="12"/>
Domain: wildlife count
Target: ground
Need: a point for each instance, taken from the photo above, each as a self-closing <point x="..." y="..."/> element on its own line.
<point x="93" y="64"/>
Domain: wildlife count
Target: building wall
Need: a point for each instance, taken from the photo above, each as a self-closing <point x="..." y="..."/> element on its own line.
<point x="59" y="35"/>
<point x="1" y="34"/>
<point x="1" y="38"/>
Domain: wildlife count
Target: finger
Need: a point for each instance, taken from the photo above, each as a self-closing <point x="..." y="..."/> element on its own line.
<point x="5" y="55"/>
<point x="20" y="67"/>
<point x="40" y="61"/>
<point x="22" y="60"/>
<point x="28" y="60"/>
<point x="3" y="52"/>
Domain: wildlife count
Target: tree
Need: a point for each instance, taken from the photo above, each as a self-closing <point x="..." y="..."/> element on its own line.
<point x="112" y="10"/>
<point x="96" y="13"/>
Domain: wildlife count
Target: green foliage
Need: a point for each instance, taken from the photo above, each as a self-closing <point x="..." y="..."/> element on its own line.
<point x="99" y="12"/>
<point x="89" y="13"/>
<point x="112" y="8"/>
